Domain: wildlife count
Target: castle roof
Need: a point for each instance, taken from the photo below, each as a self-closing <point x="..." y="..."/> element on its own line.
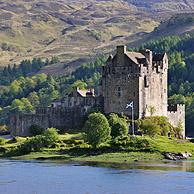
<point x="84" y="93"/>
<point x="158" y="57"/>
<point x="136" y="57"/>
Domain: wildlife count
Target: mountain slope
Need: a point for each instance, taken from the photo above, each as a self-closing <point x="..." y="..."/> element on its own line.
<point x="67" y="29"/>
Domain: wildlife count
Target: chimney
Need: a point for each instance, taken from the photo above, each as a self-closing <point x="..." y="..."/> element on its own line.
<point x="148" y="54"/>
<point x="121" y="49"/>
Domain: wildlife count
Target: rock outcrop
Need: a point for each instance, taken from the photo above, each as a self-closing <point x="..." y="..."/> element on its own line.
<point x="177" y="156"/>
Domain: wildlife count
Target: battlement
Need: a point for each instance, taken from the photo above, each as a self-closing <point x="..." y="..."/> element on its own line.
<point x="175" y="107"/>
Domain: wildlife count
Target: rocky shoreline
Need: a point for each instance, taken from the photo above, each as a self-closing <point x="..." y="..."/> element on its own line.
<point x="177" y="156"/>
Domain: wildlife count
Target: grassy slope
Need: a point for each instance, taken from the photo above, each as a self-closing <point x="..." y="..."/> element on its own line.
<point x="161" y="144"/>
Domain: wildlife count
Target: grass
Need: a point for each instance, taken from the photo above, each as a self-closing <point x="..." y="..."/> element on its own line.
<point x="71" y="148"/>
<point x="117" y="157"/>
<point x="166" y="145"/>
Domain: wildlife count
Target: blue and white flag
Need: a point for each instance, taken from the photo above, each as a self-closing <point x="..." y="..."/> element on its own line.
<point x="130" y="105"/>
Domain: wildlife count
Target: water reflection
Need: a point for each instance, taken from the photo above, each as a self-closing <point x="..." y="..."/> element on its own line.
<point x="184" y="165"/>
<point x="57" y="177"/>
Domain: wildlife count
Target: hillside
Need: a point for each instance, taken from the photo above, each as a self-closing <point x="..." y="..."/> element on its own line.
<point x="68" y="29"/>
<point x="164" y="5"/>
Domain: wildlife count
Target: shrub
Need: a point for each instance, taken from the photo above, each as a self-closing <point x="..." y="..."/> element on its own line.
<point x="119" y="126"/>
<point x="154" y="126"/>
<point x="150" y="128"/>
<point x="50" y="137"/>
<point x="36" y="143"/>
<point x="121" y="141"/>
<point x="32" y="145"/>
<point x="143" y="144"/>
<point x="2" y="141"/>
<point x="36" y="130"/>
<point x="178" y="130"/>
<point x="97" y="129"/>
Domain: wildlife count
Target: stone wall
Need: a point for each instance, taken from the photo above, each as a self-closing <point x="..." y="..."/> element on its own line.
<point x="19" y="124"/>
<point x="59" y="118"/>
<point x="176" y="115"/>
<point x="153" y="91"/>
<point x="120" y="85"/>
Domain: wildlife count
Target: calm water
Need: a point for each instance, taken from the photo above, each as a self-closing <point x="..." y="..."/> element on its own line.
<point x="18" y="177"/>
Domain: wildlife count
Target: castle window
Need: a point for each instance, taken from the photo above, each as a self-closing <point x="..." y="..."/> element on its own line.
<point x="146" y="81"/>
<point x="119" y="91"/>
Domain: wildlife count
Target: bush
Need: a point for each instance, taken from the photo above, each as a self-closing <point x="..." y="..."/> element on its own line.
<point x="154" y="126"/>
<point x="143" y="144"/>
<point x="48" y="139"/>
<point x="150" y="128"/>
<point x="97" y="129"/>
<point x="2" y="141"/>
<point x="36" y="130"/>
<point x="121" y="141"/>
<point x="178" y="130"/>
<point x="119" y="126"/>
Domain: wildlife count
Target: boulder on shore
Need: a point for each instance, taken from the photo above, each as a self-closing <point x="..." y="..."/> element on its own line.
<point x="177" y="156"/>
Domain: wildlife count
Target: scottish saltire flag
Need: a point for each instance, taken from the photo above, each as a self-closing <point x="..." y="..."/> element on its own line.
<point x="130" y="105"/>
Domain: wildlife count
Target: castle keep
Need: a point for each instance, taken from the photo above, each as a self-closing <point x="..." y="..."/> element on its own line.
<point x="138" y="77"/>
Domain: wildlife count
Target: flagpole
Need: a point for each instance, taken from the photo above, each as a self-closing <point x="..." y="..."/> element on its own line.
<point x="131" y="105"/>
<point x="132" y="115"/>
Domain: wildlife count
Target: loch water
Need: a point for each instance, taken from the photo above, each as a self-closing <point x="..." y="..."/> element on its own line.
<point x="32" y="177"/>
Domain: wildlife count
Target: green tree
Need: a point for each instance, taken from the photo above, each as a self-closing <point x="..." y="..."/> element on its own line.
<point x="34" y="99"/>
<point x="15" y="87"/>
<point x="17" y="105"/>
<point x="50" y="137"/>
<point x="97" y="129"/>
<point x="119" y="126"/>
<point x="27" y="106"/>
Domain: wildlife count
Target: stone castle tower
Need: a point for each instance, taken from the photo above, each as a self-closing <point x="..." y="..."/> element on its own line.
<point x="140" y="77"/>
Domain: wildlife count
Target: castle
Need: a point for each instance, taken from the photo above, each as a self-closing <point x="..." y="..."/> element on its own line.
<point x="138" y="77"/>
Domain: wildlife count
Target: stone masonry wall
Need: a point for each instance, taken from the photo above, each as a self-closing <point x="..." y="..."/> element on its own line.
<point x="48" y="117"/>
<point x="20" y="124"/>
<point x="176" y="114"/>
